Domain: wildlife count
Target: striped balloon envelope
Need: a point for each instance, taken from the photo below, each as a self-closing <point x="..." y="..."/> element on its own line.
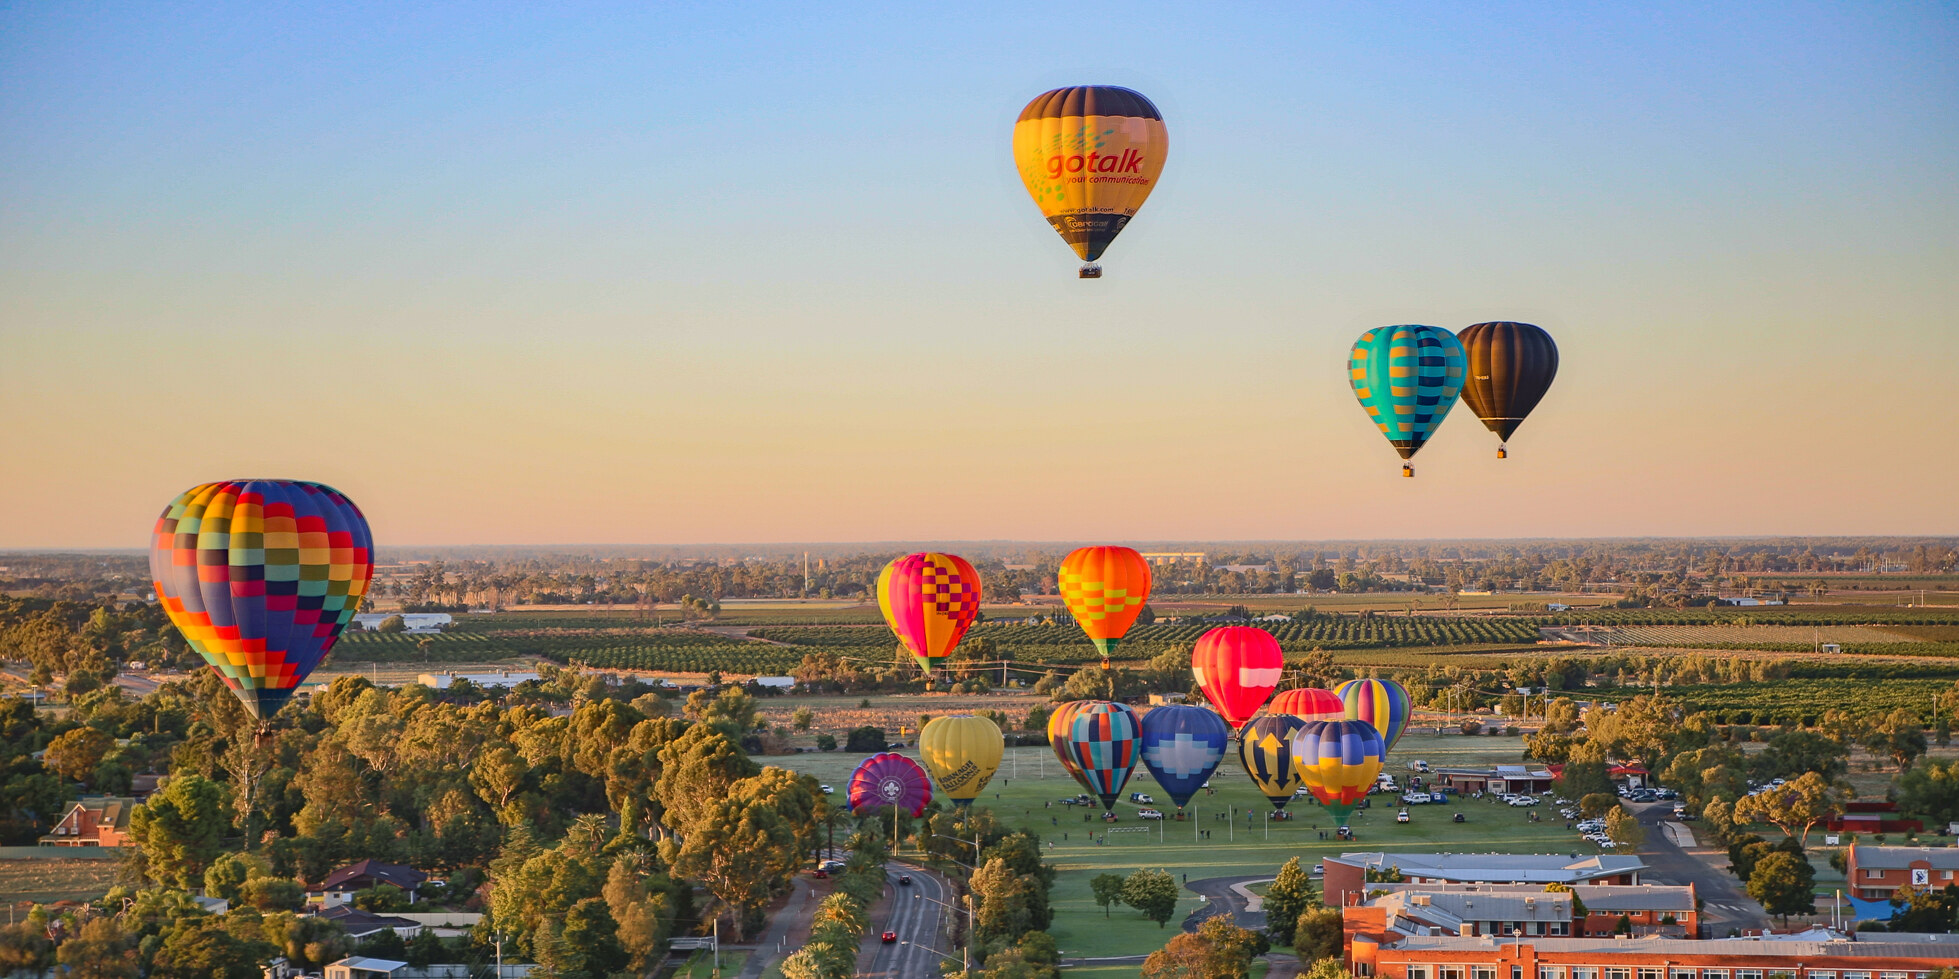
<point x="1059" y="724"/>
<point x="1237" y="666"/>
<point x="1382" y="703"/>
<point x="1407" y="378"/>
<point x="1182" y="746"/>
<point x="1511" y="366"/>
<point x="1309" y="704"/>
<point x="261" y="576"/>
<point x="1338" y="761"/>
<point x="929" y="600"/>
<point x="1089" y="155"/>
<point x="1265" y="749"/>
<point x="1105" y="741"/>
<point x="962" y="751"/>
<point x="1105" y="588"/>
<point x="889" y="779"/>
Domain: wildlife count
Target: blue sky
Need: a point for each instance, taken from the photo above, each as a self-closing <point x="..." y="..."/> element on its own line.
<point x="686" y="273"/>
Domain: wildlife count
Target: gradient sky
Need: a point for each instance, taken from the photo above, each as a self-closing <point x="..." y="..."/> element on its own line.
<point x="555" y="273"/>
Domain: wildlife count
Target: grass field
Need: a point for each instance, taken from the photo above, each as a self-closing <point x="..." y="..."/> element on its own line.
<point x="1030" y="779"/>
<point x="700" y="965"/>
<point x="39" y="880"/>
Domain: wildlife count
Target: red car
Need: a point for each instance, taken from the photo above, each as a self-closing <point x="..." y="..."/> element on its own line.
<point x="890" y="938"/>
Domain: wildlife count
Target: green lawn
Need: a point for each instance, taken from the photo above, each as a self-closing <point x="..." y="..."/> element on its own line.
<point x="1080" y="928"/>
<point x="700" y="965"/>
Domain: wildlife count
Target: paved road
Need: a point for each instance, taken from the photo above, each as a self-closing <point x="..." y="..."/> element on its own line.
<point x="1725" y="904"/>
<point x="787" y="930"/>
<point x="919" y="924"/>
<point x="1219" y="899"/>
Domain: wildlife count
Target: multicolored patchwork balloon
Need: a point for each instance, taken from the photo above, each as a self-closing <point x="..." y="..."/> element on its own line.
<point x="1237" y="666"/>
<point x="1265" y="749"/>
<point x="1182" y="746"/>
<point x="889" y="779"/>
<point x="962" y="751"/>
<point x="1407" y="377"/>
<point x="261" y="576"/>
<point x="1060" y="723"/>
<point x="1105" y="741"/>
<point x="1382" y="703"/>
<point x="1309" y="704"/>
<point x="1338" y="761"/>
<point x="929" y="600"/>
<point x="1105" y="588"/>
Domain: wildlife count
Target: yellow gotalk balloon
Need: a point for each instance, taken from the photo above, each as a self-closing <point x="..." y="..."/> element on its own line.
<point x="1090" y="156"/>
<point x="962" y="751"/>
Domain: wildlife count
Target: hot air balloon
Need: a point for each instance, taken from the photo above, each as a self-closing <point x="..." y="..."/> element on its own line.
<point x="1059" y="724"/>
<point x="929" y="600"/>
<point x="1105" y="741"/>
<point x="1105" y="588"/>
<point x="1338" y="761"/>
<point x="962" y="751"/>
<point x="1407" y="378"/>
<point x="1089" y="156"/>
<point x="1309" y="704"/>
<point x="1265" y="748"/>
<point x="261" y="576"/>
<point x="1182" y="746"/>
<point x="1511" y="365"/>
<point x="1382" y="703"/>
<point x="1237" y="666"/>
<point x="889" y="779"/>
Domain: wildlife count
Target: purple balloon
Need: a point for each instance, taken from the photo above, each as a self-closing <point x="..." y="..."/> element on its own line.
<point x="889" y="779"/>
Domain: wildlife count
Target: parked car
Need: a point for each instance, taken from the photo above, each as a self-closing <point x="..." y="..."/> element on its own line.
<point x="1401" y="817"/>
<point x="1418" y="765"/>
<point x="1415" y="798"/>
<point x="820" y="874"/>
<point x="1142" y="797"/>
<point x="1149" y="813"/>
<point x="826" y="789"/>
<point x="1457" y="818"/>
<point x="1522" y="800"/>
<point x="889" y="938"/>
<point x="1319" y="870"/>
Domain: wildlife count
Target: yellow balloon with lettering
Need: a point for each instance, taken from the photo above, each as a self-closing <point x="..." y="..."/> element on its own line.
<point x="962" y="751"/>
<point x="1090" y="156"/>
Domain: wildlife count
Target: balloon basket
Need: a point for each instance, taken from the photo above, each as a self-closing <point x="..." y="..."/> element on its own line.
<point x="1090" y="271"/>
<point x="1502" y="452"/>
<point x="1407" y="471"/>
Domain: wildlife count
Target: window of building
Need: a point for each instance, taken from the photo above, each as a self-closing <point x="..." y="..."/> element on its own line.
<point x="1891" y="975"/>
<point x="1482" y="972"/>
<point x="1945" y="875"/>
<point x="1617" y="973"/>
<point x="1579" y="973"/>
<point x="1714" y="974"/>
<point x="1856" y="975"/>
<point x="1748" y="974"/>
<point x="1814" y="974"/>
<point x="1455" y="972"/>
<point x="1516" y="972"/>
<point x="1649" y="974"/>
<point x="1550" y="972"/>
<point x="1418" y="972"/>
<point x="1874" y="875"/>
<point x="1559" y="928"/>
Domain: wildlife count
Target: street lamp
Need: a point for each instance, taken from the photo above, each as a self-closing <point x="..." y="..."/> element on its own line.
<point x="966" y="948"/>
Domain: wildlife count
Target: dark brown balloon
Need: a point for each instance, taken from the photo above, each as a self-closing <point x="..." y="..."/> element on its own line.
<point x="1511" y="365"/>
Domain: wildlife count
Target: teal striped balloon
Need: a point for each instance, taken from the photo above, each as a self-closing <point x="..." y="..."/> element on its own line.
<point x="1407" y="377"/>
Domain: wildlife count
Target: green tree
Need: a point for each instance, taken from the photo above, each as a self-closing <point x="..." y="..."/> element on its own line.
<point x="1317" y="934"/>
<point x="201" y="948"/>
<point x="100" y="951"/>
<point x="802" y="718"/>
<point x="1623" y="829"/>
<point x="1004" y="901"/>
<point x="1793" y="807"/>
<point x="1784" y="883"/>
<point x="1289" y="896"/>
<point x="1899" y="736"/>
<point x="229" y="872"/>
<point x="1596" y="805"/>
<point x="1107" y="889"/>
<point x="179" y="829"/>
<point x="1153" y="892"/>
<point x="1932" y="790"/>
<point x="392" y="625"/>
<point x="77" y="752"/>
<point x="1217" y="950"/>
<point x="748" y="845"/>
<point x="697" y="771"/>
<point x="1792" y="753"/>
<point x="644" y="913"/>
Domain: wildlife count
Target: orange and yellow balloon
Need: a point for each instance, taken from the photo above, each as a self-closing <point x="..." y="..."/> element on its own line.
<point x="1105" y="588"/>
<point x="929" y="600"/>
<point x="1090" y="155"/>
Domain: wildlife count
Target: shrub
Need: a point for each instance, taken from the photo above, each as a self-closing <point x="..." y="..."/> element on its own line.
<point x="825" y="742"/>
<point x="1471" y="726"/>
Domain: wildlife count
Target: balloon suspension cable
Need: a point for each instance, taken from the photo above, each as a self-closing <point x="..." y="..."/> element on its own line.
<point x="1408" y="470"/>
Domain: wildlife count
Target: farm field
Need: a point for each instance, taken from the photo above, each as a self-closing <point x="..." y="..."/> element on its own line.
<point x="42" y="880"/>
<point x="1770" y="635"/>
<point x="1030" y="779"/>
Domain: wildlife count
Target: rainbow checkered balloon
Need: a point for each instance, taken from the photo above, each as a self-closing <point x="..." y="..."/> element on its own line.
<point x="261" y="576"/>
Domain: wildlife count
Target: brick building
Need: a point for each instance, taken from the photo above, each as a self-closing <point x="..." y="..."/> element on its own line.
<point x="1880" y="957"/>
<point x="1346" y="874"/>
<point x="1393" y="911"/>
<point x="1875" y="871"/>
<point x="93" y="822"/>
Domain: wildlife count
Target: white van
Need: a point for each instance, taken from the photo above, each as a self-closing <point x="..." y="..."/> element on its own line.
<point x="1418" y="765"/>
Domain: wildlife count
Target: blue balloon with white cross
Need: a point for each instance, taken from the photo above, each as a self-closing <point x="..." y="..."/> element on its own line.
<point x="1182" y="746"/>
